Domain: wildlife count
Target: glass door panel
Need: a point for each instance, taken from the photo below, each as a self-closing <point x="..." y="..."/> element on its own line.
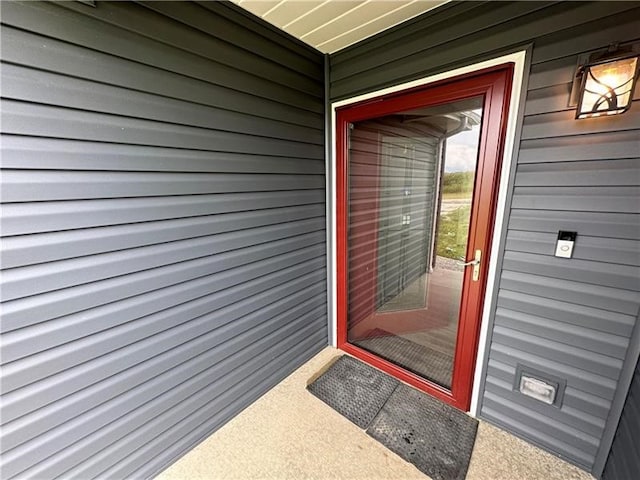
<point x="410" y="185"/>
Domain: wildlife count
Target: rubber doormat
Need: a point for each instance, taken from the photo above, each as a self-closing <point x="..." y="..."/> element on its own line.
<point x="437" y="438"/>
<point x="354" y="389"/>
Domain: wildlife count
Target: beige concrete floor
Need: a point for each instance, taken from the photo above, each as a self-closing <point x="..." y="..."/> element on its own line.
<point x="290" y="434"/>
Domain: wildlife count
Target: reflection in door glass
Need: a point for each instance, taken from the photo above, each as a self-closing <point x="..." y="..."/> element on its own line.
<point x="411" y="178"/>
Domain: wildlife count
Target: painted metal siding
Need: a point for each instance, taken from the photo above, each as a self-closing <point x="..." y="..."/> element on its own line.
<point x="164" y="228"/>
<point x="624" y="459"/>
<point x="570" y="318"/>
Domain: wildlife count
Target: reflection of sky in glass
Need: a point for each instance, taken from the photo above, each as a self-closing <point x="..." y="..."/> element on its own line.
<point x="462" y="150"/>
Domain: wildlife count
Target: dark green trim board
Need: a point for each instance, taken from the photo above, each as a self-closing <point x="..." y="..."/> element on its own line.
<point x="571" y="318"/>
<point x="164" y="228"/>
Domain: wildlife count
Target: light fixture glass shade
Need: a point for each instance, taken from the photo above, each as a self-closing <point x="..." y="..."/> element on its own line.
<point x="607" y="87"/>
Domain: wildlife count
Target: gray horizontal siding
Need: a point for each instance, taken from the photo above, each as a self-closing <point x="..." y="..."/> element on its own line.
<point x="26" y="85"/>
<point x="36" y="51"/>
<point x="589" y="224"/>
<point x="21" y="118"/>
<point x="46" y="153"/>
<point x="163" y="228"/>
<point x="42" y="186"/>
<point x="454" y="36"/>
<point x="610" y="145"/>
<point x="229" y="67"/>
<point x="624" y="459"/>
<point x="571" y="318"/>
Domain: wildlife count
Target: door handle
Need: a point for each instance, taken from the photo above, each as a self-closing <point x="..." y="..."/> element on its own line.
<point x="476" y="265"/>
<point x="462" y="263"/>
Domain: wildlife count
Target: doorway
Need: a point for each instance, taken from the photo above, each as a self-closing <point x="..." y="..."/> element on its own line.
<point x="417" y="180"/>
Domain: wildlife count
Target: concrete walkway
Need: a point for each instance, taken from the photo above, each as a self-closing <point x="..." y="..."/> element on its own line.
<point x="290" y="434"/>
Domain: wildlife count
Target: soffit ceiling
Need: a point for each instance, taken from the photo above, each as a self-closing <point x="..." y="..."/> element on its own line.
<point x="330" y="25"/>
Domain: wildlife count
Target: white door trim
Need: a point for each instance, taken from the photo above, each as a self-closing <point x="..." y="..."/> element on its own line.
<point x="518" y="58"/>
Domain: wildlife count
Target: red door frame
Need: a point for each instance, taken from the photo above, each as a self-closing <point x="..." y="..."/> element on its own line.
<point x="494" y="84"/>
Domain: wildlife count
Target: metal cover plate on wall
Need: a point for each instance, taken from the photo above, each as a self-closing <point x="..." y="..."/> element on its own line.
<point x="354" y="389"/>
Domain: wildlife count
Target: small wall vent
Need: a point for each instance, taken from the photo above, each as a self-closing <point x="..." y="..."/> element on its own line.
<point x="539" y="386"/>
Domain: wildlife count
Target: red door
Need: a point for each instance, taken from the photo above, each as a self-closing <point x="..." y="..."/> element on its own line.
<point x="417" y="180"/>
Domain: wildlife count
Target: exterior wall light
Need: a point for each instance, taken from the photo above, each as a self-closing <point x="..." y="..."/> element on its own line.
<point x="606" y="83"/>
